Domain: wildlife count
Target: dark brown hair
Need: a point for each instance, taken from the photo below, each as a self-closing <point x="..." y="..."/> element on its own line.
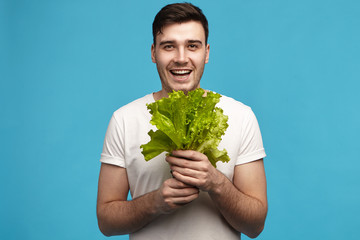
<point x="178" y="13"/>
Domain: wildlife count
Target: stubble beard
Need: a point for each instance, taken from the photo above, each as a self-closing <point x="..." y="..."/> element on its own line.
<point x="168" y="89"/>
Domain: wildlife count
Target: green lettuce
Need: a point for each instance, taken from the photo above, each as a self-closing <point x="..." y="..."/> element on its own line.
<point x="187" y="122"/>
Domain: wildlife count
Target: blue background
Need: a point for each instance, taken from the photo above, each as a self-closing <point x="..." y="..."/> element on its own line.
<point x="67" y="65"/>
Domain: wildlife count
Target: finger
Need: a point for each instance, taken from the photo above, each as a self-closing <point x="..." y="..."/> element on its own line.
<point x="189" y="180"/>
<point x="195" y="173"/>
<point x="181" y="162"/>
<point x="184" y="192"/>
<point x="185" y="200"/>
<point x="176" y="184"/>
<point x="189" y="167"/>
<point x="188" y="154"/>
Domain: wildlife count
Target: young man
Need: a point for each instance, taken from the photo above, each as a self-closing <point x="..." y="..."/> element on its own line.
<point x="198" y="201"/>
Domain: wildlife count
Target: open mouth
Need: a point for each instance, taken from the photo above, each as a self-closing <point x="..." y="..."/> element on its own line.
<point x="180" y="73"/>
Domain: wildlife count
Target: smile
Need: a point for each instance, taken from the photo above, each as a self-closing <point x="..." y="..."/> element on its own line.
<point x="180" y="72"/>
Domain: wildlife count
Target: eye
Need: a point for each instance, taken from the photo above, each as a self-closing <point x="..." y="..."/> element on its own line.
<point x="168" y="47"/>
<point x="193" y="46"/>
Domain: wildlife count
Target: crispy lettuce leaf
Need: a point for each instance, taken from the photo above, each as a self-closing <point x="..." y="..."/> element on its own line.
<point x="187" y="122"/>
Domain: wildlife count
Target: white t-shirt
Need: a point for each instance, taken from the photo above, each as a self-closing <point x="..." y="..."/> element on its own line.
<point x="200" y="219"/>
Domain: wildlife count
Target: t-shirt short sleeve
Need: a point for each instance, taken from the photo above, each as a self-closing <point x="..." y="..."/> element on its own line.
<point x="251" y="147"/>
<point x="113" y="150"/>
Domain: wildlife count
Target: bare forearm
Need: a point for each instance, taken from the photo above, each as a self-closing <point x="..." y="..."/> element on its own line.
<point x="244" y="213"/>
<point x="124" y="217"/>
<point x="242" y="203"/>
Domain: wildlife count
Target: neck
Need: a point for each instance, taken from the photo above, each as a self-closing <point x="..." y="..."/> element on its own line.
<point x="162" y="93"/>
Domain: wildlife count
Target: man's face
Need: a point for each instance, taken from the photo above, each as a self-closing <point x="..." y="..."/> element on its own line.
<point x="180" y="55"/>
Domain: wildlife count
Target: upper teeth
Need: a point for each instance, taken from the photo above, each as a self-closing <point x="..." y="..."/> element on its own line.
<point x="181" y="71"/>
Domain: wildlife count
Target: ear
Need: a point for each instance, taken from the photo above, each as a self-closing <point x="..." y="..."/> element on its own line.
<point x="207" y="53"/>
<point x="153" y="59"/>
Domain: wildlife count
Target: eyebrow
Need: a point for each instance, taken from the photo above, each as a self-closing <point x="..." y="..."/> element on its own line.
<point x="172" y="42"/>
<point x="166" y="42"/>
<point x="195" y="41"/>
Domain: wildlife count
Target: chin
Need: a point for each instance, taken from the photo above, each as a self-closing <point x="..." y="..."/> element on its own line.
<point x="185" y="89"/>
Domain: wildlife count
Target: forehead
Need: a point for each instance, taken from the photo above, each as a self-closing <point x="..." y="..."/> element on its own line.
<point x="191" y="30"/>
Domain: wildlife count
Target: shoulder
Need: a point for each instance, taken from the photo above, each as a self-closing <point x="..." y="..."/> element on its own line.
<point x="134" y="108"/>
<point x="232" y="106"/>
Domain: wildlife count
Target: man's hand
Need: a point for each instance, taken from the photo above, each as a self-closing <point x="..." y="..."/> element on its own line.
<point x="194" y="168"/>
<point x="117" y="215"/>
<point x="174" y="194"/>
<point x="243" y="202"/>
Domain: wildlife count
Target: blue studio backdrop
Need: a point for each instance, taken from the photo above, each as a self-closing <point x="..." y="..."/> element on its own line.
<point x="65" y="66"/>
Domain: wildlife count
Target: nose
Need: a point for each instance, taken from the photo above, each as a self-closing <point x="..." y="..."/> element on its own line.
<point x="181" y="56"/>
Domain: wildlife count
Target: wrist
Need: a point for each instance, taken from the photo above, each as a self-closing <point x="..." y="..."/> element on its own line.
<point x="220" y="184"/>
<point x="155" y="208"/>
